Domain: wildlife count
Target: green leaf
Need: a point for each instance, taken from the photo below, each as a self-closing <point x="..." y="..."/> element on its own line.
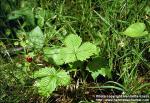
<point x="63" y="78"/>
<point x="73" y="51"/>
<point x="55" y="54"/>
<point x="136" y="30"/>
<point x="95" y="74"/>
<point x="44" y="72"/>
<point x="36" y="37"/>
<point x="99" y="66"/>
<point x="101" y="71"/>
<point x="85" y="51"/>
<point x="48" y="79"/>
<point x="46" y="85"/>
<point x="72" y="41"/>
<point x="68" y="55"/>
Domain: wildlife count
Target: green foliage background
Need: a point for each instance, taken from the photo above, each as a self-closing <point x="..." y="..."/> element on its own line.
<point x="39" y="24"/>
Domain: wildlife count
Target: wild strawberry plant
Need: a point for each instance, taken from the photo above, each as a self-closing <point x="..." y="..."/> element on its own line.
<point x="48" y="79"/>
<point x="73" y="50"/>
<point x="63" y="48"/>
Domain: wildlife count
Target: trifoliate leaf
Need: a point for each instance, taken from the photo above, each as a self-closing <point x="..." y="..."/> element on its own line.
<point x="136" y="30"/>
<point x="63" y="78"/>
<point x="36" y="37"/>
<point x="46" y="85"/>
<point x="48" y="79"/>
<point x="44" y="72"/>
<point x="73" y="51"/>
